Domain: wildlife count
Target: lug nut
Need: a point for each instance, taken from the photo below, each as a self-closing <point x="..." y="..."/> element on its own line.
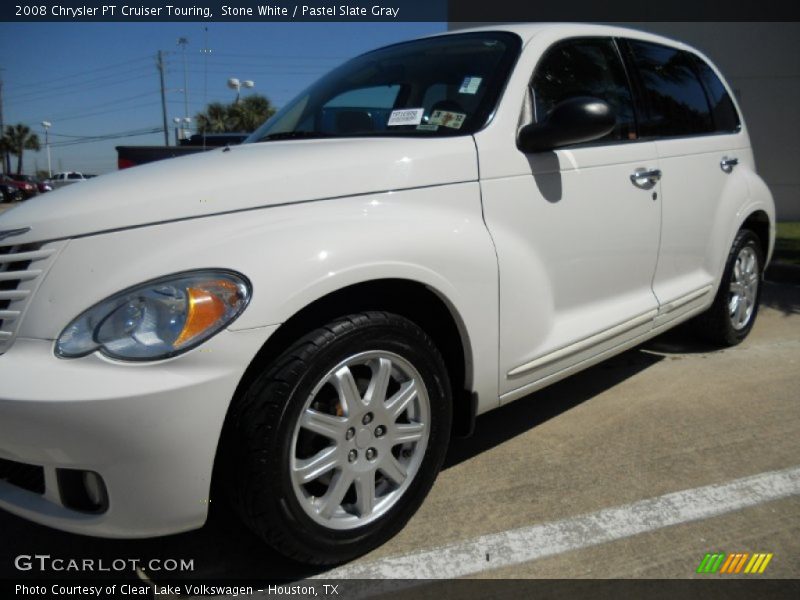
<point x="352" y="455"/>
<point x="350" y="434"/>
<point x="371" y="453"/>
<point x="367" y="419"/>
<point x="380" y="430"/>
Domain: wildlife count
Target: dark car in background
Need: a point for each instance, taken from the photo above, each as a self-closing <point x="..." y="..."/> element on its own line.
<point x="28" y="189"/>
<point x="9" y="193"/>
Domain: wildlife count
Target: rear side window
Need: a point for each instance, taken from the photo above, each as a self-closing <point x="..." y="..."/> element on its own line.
<point x="723" y="112"/>
<point x="585" y="67"/>
<point x="675" y="101"/>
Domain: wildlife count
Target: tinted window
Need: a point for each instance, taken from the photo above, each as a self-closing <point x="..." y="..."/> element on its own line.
<point x="723" y="112"/>
<point x="585" y="67"/>
<point x="676" y="103"/>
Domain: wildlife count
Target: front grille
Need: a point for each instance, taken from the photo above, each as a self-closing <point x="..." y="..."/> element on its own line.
<point x="20" y="267"/>
<point x="27" y="477"/>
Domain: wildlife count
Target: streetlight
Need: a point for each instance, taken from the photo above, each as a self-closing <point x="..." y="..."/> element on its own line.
<point x="181" y="131"/>
<point x="47" y="125"/>
<point x="183" y="42"/>
<point x="237" y="85"/>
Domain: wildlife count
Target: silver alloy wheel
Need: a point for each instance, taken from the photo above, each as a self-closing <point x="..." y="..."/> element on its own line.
<point x="743" y="288"/>
<point x="360" y="439"/>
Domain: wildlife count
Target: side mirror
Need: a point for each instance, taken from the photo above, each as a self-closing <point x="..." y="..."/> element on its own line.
<point x="575" y="120"/>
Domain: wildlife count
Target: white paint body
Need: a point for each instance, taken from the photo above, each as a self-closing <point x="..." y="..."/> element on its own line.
<point x="524" y="273"/>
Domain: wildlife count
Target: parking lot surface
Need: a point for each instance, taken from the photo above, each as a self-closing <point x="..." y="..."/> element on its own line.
<point x="672" y="416"/>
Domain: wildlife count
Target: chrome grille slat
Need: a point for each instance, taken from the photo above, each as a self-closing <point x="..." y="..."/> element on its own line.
<point x="21" y="268"/>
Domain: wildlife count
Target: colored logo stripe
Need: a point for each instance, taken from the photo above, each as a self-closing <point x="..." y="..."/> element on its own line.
<point x="758" y="563"/>
<point x="731" y="564"/>
<point x="711" y="563"/>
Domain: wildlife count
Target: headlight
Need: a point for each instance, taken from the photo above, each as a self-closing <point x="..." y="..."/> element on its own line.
<point x="158" y="319"/>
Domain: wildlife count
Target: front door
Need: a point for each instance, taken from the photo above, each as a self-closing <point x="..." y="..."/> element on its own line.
<point x="577" y="237"/>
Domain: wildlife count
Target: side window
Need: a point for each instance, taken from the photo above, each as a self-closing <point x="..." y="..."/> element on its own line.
<point x="584" y="67"/>
<point x="723" y="112"/>
<point x="676" y="101"/>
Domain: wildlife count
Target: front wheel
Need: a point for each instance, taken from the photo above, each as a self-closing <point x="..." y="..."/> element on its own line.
<point x="338" y="442"/>
<point x="733" y="313"/>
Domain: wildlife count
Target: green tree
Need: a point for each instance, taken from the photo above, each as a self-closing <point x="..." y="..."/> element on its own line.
<point x="244" y="116"/>
<point x="250" y="112"/>
<point x="214" y="119"/>
<point x="18" y="138"/>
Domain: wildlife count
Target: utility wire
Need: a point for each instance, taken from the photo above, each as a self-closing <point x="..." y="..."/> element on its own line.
<point x="110" y="136"/>
<point x="78" y="75"/>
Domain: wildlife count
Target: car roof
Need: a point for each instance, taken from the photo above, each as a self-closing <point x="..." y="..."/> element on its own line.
<point x="527" y="31"/>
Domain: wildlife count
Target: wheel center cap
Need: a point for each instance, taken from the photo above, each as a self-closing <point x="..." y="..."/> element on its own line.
<point x="363" y="437"/>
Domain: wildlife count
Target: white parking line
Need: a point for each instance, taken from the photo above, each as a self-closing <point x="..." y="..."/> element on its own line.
<point x="530" y="543"/>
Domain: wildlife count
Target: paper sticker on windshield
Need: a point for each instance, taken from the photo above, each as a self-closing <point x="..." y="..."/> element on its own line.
<point x="446" y="118"/>
<point x="470" y="85"/>
<point x="405" y="116"/>
<point x="427" y="127"/>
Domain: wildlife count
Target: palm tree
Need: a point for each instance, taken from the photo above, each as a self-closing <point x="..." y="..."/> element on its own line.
<point x="17" y="139"/>
<point x="214" y="119"/>
<point x="250" y="112"/>
<point x="243" y="116"/>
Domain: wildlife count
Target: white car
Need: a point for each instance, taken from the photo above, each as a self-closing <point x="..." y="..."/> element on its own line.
<point x="67" y="177"/>
<point x="433" y="230"/>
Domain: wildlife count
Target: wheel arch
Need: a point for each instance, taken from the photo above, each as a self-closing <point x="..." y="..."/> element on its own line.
<point x="759" y="223"/>
<point x="420" y="303"/>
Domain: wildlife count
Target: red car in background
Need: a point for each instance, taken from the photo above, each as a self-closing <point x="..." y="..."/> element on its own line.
<point x="41" y="186"/>
<point x="28" y="189"/>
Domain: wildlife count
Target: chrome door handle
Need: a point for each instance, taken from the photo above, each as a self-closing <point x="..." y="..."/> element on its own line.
<point x="727" y="164"/>
<point x="645" y="178"/>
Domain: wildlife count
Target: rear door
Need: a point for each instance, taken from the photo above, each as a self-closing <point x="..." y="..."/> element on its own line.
<point x="689" y="114"/>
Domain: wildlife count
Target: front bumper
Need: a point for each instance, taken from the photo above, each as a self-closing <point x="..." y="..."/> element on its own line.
<point x="149" y="430"/>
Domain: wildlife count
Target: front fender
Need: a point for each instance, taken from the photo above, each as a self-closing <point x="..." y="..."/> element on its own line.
<point x="296" y="254"/>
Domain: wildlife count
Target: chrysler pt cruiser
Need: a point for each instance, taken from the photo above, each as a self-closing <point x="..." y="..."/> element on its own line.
<point x="434" y="229"/>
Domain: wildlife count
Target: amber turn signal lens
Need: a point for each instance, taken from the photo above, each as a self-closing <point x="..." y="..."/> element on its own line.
<point x="205" y="310"/>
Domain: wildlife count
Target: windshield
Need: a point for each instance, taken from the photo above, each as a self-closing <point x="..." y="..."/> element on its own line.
<point x="439" y="86"/>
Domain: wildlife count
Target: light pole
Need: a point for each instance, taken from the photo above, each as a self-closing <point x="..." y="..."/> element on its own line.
<point x="47" y="125"/>
<point x="183" y="42"/>
<point x="237" y="85"/>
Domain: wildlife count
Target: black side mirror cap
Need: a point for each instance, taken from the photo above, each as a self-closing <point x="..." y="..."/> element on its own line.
<point x="573" y="121"/>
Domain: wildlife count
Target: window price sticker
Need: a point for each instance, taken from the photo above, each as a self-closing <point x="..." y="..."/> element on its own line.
<point x="405" y="116"/>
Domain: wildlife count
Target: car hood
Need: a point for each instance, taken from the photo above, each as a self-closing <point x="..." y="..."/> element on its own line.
<point x="241" y="178"/>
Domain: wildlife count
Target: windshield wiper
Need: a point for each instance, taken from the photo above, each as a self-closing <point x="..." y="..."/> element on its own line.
<point x="294" y="135"/>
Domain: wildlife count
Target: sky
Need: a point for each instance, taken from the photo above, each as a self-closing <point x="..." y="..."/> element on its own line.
<point x="99" y="79"/>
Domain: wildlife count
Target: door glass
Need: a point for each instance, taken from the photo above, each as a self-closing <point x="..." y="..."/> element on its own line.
<point x="723" y="112"/>
<point x="585" y="67"/>
<point x="676" y="102"/>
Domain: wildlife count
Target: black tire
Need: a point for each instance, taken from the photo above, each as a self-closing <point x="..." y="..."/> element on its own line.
<point x="716" y="325"/>
<point x="263" y="437"/>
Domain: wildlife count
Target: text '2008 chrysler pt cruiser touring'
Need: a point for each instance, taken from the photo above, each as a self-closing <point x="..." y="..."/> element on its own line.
<point x="432" y="230"/>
